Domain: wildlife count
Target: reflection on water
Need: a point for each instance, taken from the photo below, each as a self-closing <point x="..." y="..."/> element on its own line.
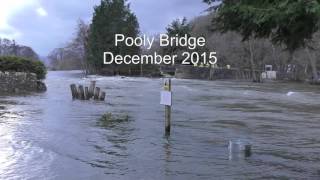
<point x="49" y="136"/>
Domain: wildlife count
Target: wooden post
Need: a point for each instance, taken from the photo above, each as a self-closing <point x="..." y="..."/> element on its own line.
<point x="86" y="93"/>
<point x="102" y="96"/>
<point x="81" y="92"/>
<point x="96" y="93"/>
<point x="74" y="92"/>
<point x="91" y="89"/>
<point x="167" y="87"/>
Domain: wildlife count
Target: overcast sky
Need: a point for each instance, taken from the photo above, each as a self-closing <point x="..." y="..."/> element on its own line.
<point x="47" y="24"/>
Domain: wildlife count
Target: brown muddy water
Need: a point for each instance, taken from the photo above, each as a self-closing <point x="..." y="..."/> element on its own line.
<point x="49" y="136"/>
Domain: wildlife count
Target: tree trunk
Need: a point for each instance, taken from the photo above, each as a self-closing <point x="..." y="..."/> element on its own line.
<point x="288" y="72"/>
<point x="276" y="58"/>
<point x="313" y="64"/>
<point x="254" y="77"/>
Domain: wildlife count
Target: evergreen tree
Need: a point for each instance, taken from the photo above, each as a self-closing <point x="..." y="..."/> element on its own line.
<point x="177" y="28"/>
<point x="111" y="17"/>
<point x="291" y="23"/>
<point x="180" y="28"/>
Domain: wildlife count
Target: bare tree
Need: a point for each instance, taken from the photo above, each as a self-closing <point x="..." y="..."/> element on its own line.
<point x="74" y="54"/>
<point x="80" y="44"/>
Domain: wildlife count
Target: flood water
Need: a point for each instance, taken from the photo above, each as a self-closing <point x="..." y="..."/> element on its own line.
<point x="50" y="136"/>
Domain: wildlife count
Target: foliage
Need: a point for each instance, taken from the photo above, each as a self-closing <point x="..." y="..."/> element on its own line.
<point x="288" y="22"/>
<point x="235" y="52"/>
<point x="72" y="56"/>
<point x="177" y="28"/>
<point x="18" y="64"/>
<point x="111" y="17"/>
<point x="180" y="28"/>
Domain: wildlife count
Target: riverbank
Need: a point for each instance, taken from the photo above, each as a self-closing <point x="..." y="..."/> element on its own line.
<point x="205" y="73"/>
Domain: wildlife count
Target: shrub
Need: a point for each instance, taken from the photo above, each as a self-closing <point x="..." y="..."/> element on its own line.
<point x="18" y="64"/>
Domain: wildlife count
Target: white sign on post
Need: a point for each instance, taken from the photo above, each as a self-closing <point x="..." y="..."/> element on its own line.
<point x="166" y="98"/>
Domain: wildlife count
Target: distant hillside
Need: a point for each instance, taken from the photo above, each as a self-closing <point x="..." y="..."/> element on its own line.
<point x="11" y="48"/>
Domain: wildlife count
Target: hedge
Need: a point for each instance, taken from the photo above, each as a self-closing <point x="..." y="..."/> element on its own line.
<point x="18" y="64"/>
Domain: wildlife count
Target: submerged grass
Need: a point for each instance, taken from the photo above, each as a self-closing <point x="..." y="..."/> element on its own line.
<point x="112" y="119"/>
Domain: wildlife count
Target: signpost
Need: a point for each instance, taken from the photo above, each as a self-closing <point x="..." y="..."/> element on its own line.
<point x="166" y="99"/>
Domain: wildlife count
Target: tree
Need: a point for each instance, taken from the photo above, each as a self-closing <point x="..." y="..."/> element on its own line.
<point x="111" y="17"/>
<point x="79" y="45"/>
<point x="180" y="28"/>
<point x="312" y="56"/>
<point x="73" y="56"/>
<point x="177" y="28"/>
<point x="66" y="58"/>
<point x="291" y="23"/>
<point x="56" y="57"/>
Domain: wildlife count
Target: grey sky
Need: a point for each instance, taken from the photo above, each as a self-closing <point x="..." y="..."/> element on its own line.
<point x="47" y="24"/>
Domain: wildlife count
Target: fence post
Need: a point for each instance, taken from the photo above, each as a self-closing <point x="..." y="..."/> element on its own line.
<point x="81" y="92"/>
<point x="96" y="93"/>
<point x="86" y="93"/>
<point x="102" y="96"/>
<point x="91" y="89"/>
<point x="74" y="91"/>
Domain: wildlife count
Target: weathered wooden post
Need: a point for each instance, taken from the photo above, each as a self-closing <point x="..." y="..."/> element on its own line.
<point x="81" y="92"/>
<point x="96" y="93"/>
<point x="74" y="92"/>
<point x="166" y="99"/>
<point x="86" y="93"/>
<point x="102" y="96"/>
<point x="91" y="89"/>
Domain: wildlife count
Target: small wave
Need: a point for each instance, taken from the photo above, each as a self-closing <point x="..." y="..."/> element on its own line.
<point x="290" y="93"/>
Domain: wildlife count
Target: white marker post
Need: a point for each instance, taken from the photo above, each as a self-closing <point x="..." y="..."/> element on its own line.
<point x="166" y="99"/>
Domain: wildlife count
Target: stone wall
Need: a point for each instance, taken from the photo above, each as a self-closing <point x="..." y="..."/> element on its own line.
<point x="20" y="82"/>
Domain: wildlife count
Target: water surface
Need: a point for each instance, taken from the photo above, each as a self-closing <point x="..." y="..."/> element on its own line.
<point x="50" y="136"/>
